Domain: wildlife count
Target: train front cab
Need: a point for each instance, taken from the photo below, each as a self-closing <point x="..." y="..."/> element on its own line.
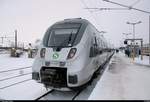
<point x="65" y="65"/>
<point x="68" y="56"/>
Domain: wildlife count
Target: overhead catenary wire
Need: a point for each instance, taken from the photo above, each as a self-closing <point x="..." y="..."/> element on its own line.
<point x="108" y="8"/>
<point x="82" y="1"/>
<point x="130" y="7"/>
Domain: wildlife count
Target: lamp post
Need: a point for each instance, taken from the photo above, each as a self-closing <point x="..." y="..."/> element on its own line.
<point x="132" y="8"/>
<point x="126" y="34"/>
<point x="15" y="39"/>
<point x="149" y="39"/>
<point x="133" y="25"/>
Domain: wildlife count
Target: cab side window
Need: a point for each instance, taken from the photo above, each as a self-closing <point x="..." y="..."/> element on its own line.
<point x="96" y="46"/>
<point x="95" y="42"/>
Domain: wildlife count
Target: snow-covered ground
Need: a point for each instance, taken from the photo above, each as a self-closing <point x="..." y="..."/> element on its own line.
<point x="7" y="62"/>
<point x="30" y="90"/>
<point x="145" y="61"/>
<point x="23" y="91"/>
<point x="124" y="79"/>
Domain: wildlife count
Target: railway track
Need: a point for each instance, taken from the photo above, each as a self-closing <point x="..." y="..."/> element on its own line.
<point x="77" y="94"/>
<point x="15" y="83"/>
<point x="44" y="95"/>
<point x="15" y="76"/>
<point x="73" y="97"/>
<point x="15" y="69"/>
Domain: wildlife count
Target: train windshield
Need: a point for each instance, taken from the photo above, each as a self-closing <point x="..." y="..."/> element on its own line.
<point x="63" y="36"/>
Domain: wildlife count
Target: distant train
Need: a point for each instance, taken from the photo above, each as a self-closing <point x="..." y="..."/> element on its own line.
<point x="70" y="52"/>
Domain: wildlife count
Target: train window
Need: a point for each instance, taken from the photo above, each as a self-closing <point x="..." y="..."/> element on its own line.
<point x="63" y="35"/>
<point x="98" y="42"/>
<point x="67" y="25"/>
<point x="101" y="45"/>
<point x="95" y="41"/>
<point x="65" y="31"/>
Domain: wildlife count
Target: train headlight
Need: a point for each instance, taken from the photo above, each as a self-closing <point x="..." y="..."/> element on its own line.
<point x="72" y="53"/>
<point x="42" y="52"/>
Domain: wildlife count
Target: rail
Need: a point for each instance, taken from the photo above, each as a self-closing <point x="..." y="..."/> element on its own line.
<point x="15" y="83"/>
<point x="15" y="76"/>
<point x="44" y="94"/>
<point x="15" y="69"/>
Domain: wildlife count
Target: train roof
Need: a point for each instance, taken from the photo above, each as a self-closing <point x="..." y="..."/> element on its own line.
<point x="74" y="20"/>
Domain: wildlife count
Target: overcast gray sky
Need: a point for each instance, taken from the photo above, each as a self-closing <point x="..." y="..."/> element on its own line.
<point x="32" y="17"/>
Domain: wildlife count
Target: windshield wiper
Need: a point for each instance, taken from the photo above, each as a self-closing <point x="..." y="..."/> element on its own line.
<point x="70" y="37"/>
<point x="67" y="40"/>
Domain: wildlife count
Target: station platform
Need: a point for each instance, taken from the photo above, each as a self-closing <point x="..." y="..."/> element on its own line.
<point x="124" y="79"/>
